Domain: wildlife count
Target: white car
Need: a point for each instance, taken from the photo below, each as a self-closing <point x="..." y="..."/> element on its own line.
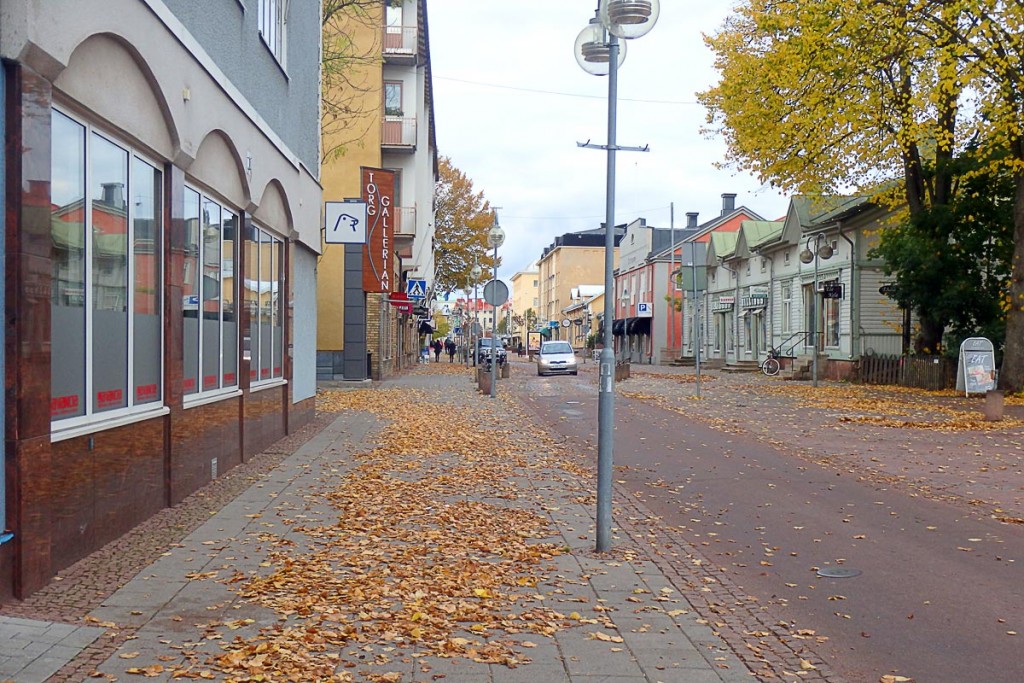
<point x="556" y="357"/>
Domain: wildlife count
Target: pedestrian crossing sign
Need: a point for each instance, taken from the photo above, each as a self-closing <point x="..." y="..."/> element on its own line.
<point x="416" y="289"/>
<point x="446" y="310"/>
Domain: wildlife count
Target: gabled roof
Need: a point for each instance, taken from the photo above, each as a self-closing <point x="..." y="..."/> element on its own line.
<point x="847" y="208"/>
<point x="723" y="245"/>
<point x="760" y="233"/>
<point x="705" y="228"/>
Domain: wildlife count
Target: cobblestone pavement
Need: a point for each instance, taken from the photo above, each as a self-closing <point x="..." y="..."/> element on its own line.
<point x="82" y="587"/>
<point x="629" y="621"/>
<point x="933" y="444"/>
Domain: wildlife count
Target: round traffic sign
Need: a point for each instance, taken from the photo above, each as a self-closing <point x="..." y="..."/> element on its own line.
<point x="496" y="292"/>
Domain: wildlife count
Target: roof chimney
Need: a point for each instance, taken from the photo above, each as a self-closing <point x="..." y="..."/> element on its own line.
<point x="113" y="195"/>
<point x="691" y="219"/>
<point x="728" y="203"/>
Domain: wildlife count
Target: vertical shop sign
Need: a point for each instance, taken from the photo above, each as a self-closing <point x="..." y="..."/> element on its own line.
<point x="379" y="194"/>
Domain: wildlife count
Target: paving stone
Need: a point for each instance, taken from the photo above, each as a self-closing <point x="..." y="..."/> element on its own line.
<point x="171" y="606"/>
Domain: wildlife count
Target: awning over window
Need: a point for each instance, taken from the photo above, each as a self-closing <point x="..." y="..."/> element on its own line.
<point x="426" y="328"/>
<point x="619" y="327"/>
<point x="545" y="331"/>
<point x="638" y="326"/>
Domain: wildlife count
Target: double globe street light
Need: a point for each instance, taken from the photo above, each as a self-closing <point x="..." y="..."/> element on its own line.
<point x="599" y="53"/>
<point x="474" y="335"/>
<point x="822" y="250"/>
<point x="497" y="293"/>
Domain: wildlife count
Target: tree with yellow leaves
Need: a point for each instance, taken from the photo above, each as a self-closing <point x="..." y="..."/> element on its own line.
<point x="833" y="96"/>
<point x="462" y="218"/>
<point x="989" y="39"/>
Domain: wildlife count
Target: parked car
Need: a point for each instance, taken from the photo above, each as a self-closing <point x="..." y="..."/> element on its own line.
<point x="556" y="357"/>
<point x="482" y="353"/>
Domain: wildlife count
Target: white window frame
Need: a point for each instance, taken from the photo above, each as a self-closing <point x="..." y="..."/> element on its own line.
<point x="91" y="421"/>
<point x="277" y="251"/>
<point x="831" y="311"/>
<point x="271" y="19"/>
<point x="203" y="396"/>
<point x="786" y="297"/>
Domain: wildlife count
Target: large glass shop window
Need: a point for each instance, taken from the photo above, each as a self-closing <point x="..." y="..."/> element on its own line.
<point x="264" y="289"/>
<point x="208" y="301"/>
<point x="106" y="208"/>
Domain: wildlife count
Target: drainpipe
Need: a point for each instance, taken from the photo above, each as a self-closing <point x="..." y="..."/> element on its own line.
<point x="4" y="534"/>
<point x="855" y="289"/>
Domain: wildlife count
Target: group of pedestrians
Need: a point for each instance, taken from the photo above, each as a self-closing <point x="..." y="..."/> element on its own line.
<point x="448" y="346"/>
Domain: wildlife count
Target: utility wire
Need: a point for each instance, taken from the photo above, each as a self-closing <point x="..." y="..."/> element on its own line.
<point x="623" y="212"/>
<point x="558" y="92"/>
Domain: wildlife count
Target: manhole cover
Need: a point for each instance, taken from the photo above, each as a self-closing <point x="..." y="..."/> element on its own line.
<point x="838" y="573"/>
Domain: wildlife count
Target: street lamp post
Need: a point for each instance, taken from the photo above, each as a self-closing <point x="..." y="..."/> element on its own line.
<point x="823" y="252"/>
<point x="495" y="238"/>
<point x="598" y="52"/>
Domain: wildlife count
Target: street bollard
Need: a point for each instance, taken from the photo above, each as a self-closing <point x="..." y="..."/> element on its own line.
<point x="506" y="371"/>
<point x="484" y="381"/>
<point x="993" y="406"/>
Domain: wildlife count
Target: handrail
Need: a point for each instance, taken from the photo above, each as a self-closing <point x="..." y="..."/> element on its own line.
<point x="798" y="337"/>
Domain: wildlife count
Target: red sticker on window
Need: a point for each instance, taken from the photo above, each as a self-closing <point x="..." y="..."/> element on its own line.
<point x="106" y="399"/>
<point x="265" y="372"/>
<point x="210" y="382"/>
<point x="252" y="374"/>
<point x="62" y="405"/>
<point x="277" y="371"/>
<point x="190" y="384"/>
<point x="146" y="392"/>
<point x="229" y="378"/>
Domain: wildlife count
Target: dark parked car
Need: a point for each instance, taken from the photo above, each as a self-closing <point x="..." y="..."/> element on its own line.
<point x="483" y="350"/>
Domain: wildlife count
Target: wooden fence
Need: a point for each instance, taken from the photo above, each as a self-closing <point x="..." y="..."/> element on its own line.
<point x="922" y="372"/>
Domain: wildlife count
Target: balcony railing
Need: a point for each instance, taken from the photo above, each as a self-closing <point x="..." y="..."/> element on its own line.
<point x="399" y="131"/>
<point x="400" y="40"/>
<point x="405" y="222"/>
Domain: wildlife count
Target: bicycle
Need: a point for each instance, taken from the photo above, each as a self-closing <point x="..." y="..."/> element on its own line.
<point x="770" y="365"/>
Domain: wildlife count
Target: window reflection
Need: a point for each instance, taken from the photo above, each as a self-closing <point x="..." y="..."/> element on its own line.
<point x="267" y="292"/>
<point x="230" y="323"/>
<point x="109" y="217"/>
<point x="190" y="292"/>
<point x="147" y="340"/>
<point x="106" y="301"/>
<point x="264" y="285"/>
<point x="211" y="288"/>
<point x="67" y="225"/>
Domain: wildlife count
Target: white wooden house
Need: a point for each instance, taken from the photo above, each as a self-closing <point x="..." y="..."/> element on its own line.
<point x="761" y="294"/>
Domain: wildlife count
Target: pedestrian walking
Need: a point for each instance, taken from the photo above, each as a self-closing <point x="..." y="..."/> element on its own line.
<point x="449" y="348"/>
<point x="437" y="350"/>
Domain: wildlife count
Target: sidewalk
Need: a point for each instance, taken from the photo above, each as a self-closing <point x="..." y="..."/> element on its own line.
<point x="435" y="538"/>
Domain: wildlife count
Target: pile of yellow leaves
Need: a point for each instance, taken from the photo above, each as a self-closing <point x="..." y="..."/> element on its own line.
<point x="427" y="553"/>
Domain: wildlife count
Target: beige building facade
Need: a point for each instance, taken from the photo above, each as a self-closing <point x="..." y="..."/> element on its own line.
<point x="525" y="297"/>
<point x="573" y="259"/>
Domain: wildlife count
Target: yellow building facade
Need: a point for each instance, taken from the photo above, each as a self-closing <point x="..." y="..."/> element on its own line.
<point x="525" y="296"/>
<point x="572" y="260"/>
<point x="378" y="116"/>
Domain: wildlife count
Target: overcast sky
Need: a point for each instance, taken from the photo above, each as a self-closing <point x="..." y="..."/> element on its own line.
<point x="510" y="104"/>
